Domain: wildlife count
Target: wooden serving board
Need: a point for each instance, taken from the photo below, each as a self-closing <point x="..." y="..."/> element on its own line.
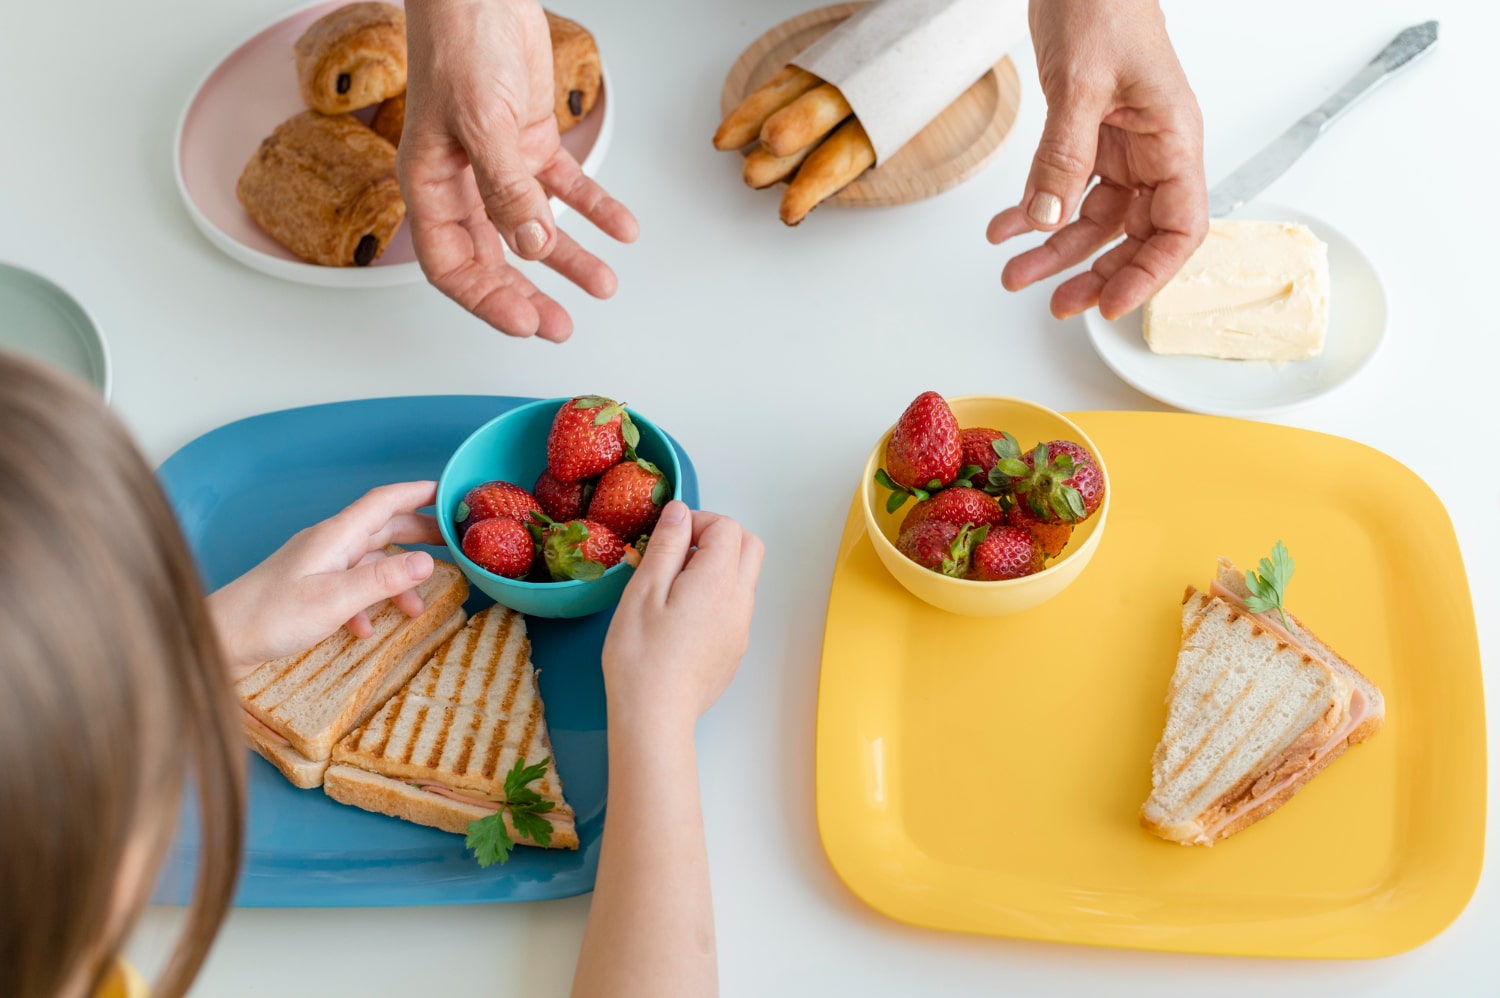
<point x="952" y="148"/>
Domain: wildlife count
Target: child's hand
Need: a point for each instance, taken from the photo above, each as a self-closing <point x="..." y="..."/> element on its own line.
<point x="684" y="620"/>
<point x="328" y="575"/>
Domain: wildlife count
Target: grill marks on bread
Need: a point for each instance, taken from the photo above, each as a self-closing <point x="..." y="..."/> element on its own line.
<point x="465" y="719"/>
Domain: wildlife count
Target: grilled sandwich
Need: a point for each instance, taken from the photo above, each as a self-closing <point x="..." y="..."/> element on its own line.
<point x="1255" y="709"/>
<point x="439" y="751"/>
<point x="297" y="707"/>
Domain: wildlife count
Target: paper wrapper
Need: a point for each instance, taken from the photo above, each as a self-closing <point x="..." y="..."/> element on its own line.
<point x="899" y="63"/>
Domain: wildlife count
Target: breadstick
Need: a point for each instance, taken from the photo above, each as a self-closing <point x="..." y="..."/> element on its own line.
<point x="742" y="125"/>
<point x="762" y="169"/>
<point x="804" y="121"/>
<point x="843" y="156"/>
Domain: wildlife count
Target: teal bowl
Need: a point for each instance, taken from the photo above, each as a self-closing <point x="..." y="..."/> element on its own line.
<point x="513" y="447"/>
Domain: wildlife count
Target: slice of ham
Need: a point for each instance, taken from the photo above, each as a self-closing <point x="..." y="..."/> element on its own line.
<point x="451" y="794"/>
<point x="274" y="736"/>
<point x="1353" y="717"/>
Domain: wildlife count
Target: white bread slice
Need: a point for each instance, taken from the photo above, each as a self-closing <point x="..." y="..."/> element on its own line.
<point x="383" y="795"/>
<point x="1233" y="579"/>
<point x="1245" y="712"/>
<point x="462" y="722"/>
<point x="306" y="773"/>
<point x="314" y="698"/>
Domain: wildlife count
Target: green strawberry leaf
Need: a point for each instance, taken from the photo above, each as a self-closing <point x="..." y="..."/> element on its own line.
<point x="591" y="402"/>
<point x="896" y="500"/>
<point x="1072" y="504"/>
<point x="647" y="466"/>
<point x="462" y="513"/>
<point x="1006" y="446"/>
<point x="660" y="492"/>
<point x="934" y="485"/>
<point x="967" y="472"/>
<point x="1014" y="467"/>
<point x="631" y="435"/>
<point x="886" y="481"/>
<point x="1064" y="465"/>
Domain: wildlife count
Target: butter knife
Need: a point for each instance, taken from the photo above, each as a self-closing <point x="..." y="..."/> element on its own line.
<point x="1257" y="173"/>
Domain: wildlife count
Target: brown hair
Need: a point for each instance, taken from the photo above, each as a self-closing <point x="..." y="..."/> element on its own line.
<point x="112" y="690"/>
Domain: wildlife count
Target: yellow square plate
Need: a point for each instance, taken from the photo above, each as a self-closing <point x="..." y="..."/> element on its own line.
<point x="985" y="775"/>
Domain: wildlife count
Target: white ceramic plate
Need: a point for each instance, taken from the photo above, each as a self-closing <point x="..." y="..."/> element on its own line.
<point x="1356" y="326"/>
<point x="241" y="100"/>
<point x="40" y="319"/>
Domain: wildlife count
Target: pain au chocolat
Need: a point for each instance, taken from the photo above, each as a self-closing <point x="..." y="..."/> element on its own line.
<point x="576" y="71"/>
<point x="325" y="188"/>
<point x="353" y="57"/>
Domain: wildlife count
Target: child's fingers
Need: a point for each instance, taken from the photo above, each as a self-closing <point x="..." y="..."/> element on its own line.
<point x="350" y="592"/>
<point x="665" y="553"/>
<point x="368" y="514"/>
<point x="407" y="528"/>
<point x="752" y="553"/>
<point x="359" y="625"/>
<point x="718" y="554"/>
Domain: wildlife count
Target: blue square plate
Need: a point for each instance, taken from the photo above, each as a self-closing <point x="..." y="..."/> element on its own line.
<point x="239" y="492"/>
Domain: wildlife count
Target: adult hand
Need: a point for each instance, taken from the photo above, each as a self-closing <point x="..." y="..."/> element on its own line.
<point x="480" y="143"/>
<point x="1119" y="108"/>
<point x="327" y="576"/>
<point x="684" y="620"/>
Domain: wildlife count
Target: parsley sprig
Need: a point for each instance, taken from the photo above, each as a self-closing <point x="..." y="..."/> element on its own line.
<point x="488" y="837"/>
<point x="1268" y="589"/>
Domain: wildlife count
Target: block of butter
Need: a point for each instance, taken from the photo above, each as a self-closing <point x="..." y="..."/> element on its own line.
<point x="1253" y="291"/>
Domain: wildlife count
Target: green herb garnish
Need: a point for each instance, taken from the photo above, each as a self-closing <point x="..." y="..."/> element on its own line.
<point x="1268" y="589"/>
<point x="488" y="837"/>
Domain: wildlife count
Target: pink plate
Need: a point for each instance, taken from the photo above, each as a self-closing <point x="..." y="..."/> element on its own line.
<point x="240" y="101"/>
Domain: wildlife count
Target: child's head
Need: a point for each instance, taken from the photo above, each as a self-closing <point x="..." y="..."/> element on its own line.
<point x="112" y="693"/>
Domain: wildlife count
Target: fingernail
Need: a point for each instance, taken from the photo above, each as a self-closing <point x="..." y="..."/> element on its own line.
<point x="675" y="512"/>
<point x="419" y="564"/>
<point x="531" y="238"/>
<point x="1046" y="209"/>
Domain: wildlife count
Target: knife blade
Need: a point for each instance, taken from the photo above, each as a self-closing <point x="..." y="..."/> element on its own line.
<point x="1257" y="173"/>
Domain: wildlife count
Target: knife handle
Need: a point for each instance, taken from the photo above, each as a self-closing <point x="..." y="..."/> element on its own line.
<point x="1403" y="49"/>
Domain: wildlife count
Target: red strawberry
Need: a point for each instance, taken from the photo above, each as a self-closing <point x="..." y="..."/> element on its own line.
<point x="1005" y="553"/>
<point x="562" y="500"/>
<point x="924" y="452"/>
<point x="500" y="545"/>
<point x="491" y="500"/>
<point x="940" y="546"/>
<point x="580" y="549"/>
<point x="1052" y="537"/>
<point x="958" y="506"/>
<point x="629" y="498"/>
<point x="588" y="434"/>
<point x="979" y="452"/>
<point x="1059" y="480"/>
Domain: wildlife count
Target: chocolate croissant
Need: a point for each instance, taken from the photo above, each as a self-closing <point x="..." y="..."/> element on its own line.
<point x="325" y="188"/>
<point x="390" y="118"/>
<point x="576" y="72"/>
<point x="353" y="57"/>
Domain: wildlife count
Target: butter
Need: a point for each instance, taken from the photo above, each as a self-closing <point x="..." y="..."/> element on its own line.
<point x="1252" y="291"/>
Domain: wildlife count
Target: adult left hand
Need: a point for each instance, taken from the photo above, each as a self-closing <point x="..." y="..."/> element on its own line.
<point x="1118" y="107"/>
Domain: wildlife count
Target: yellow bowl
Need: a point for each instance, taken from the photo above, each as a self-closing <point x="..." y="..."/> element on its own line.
<point x="1031" y="424"/>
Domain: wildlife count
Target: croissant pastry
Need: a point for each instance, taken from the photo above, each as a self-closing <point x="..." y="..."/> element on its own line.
<point x="353" y="57"/>
<point x="325" y="188"/>
<point x="576" y="71"/>
<point x="390" y="118"/>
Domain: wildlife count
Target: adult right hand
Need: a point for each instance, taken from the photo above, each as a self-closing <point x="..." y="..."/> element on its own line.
<point x="479" y="156"/>
<point x="684" y="620"/>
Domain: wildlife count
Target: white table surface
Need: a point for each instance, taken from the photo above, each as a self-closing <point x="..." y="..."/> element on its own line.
<point x="777" y="356"/>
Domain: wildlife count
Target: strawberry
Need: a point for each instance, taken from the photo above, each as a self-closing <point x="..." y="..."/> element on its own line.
<point x="979" y="455"/>
<point x="958" y="506"/>
<point x="562" y="500"/>
<point x="588" y="434"/>
<point x="580" y="549"/>
<point x="940" y="546"/>
<point x="500" y="545"/>
<point x="1056" y="485"/>
<point x="1005" y="553"/>
<point x="491" y="500"/>
<point x="629" y="498"/>
<point x="924" y="453"/>
<point x="1051" y="536"/>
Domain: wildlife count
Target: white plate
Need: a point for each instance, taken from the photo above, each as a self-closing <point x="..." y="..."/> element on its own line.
<point x="40" y="319"/>
<point x="242" y="99"/>
<point x="1356" y="326"/>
